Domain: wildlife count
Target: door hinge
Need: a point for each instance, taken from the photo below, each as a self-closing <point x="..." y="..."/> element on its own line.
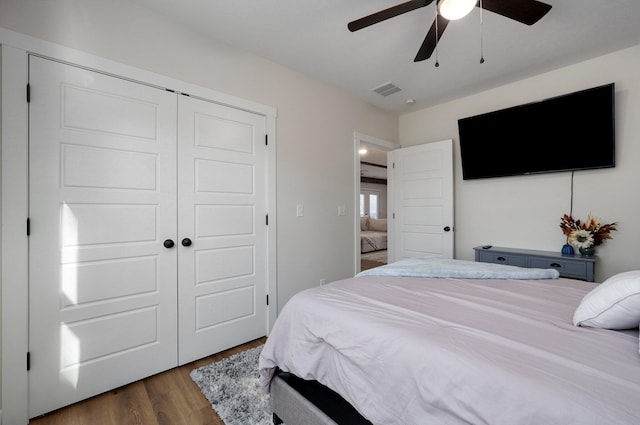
<point x="267" y="221"/>
<point x="28" y="226"/>
<point x="267" y="299"/>
<point x="266" y="140"/>
<point x="28" y="92"/>
<point x="28" y="360"/>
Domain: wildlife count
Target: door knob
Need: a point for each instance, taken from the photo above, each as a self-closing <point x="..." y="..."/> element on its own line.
<point x="447" y="228"/>
<point x="186" y="242"/>
<point x="168" y="243"/>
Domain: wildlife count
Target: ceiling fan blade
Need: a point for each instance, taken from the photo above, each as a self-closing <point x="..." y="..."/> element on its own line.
<point x="385" y="14"/>
<point x="430" y="41"/>
<point x="526" y="11"/>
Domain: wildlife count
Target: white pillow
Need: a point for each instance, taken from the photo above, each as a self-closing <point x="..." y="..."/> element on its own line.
<point x="614" y="304"/>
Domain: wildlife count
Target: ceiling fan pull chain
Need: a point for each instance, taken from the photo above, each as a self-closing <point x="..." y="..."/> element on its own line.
<point x="437" y="64"/>
<point x="481" y="35"/>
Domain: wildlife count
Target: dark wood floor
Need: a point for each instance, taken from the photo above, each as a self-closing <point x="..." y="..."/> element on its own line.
<point x="368" y="264"/>
<point x="169" y="398"/>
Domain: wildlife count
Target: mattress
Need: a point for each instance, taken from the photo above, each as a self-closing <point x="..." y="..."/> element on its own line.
<point x="415" y="350"/>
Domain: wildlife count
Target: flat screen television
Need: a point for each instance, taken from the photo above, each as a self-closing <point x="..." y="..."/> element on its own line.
<point x="565" y="133"/>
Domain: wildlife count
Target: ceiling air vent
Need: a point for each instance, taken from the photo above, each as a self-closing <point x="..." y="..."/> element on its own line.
<point x="386" y="89"/>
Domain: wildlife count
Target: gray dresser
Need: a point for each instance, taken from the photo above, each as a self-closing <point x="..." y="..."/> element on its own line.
<point x="571" y="266"/>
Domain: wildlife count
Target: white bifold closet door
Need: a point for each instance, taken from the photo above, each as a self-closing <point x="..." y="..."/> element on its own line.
<point x="116" y="292"/>
<point x="222" y="206"/>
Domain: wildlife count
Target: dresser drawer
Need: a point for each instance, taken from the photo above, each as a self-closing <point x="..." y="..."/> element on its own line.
<point x="502" y="258"/>
<point x="575" y="269"/>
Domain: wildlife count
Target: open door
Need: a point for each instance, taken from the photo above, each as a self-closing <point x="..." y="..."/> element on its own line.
<point x="381" y="147"/>
<point x="420" y="194"/>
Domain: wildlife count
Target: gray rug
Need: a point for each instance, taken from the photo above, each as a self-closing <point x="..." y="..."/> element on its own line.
<point x="232" y="387"/>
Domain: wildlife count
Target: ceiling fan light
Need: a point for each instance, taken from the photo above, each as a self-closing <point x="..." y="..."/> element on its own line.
<point x="456" y="9"/>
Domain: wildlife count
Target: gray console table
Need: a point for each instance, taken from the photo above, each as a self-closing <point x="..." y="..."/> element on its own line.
<point x="571" y="266"/>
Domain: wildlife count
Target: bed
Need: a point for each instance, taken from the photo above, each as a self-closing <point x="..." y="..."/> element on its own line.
<point x="439" y="341"/>
<point x="373" y="234"/>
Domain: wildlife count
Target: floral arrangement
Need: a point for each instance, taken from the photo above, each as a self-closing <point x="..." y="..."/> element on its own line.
<point x="587" y="234"/>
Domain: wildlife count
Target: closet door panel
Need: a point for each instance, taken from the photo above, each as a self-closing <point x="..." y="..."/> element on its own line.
<point x="102" y="307"/>
<point x="224" y="178"/>
<point x="222" y="207"/>
<point x="91" y="167"/>
<point x="224" y="220"/>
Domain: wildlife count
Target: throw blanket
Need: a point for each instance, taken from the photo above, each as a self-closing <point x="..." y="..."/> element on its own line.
<point x="436" y="266"/>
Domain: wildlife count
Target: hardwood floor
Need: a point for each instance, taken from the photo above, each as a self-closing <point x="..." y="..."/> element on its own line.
<point x="368" y="264"/>
<point x="373" y="259"/>
<point x="169" y="398"/>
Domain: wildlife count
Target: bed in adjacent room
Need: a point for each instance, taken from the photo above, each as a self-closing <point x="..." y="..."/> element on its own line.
<point x="373" y="234"/>
<point x="440" y="341"/>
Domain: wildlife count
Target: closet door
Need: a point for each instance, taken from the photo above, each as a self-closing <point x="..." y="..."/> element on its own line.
<point x="102" y="307"/>
<point x="222" y="258"/>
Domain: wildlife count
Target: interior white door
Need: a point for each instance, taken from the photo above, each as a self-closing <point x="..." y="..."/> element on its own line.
<point x="421" y="200"/>
<point x="222" y="207"/>
<point x="102" y="287"/>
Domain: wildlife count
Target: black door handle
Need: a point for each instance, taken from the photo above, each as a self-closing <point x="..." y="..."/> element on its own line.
<point x="168" y="243"/>
<point x="186" y="242"/>
<point x="447" y="229"/>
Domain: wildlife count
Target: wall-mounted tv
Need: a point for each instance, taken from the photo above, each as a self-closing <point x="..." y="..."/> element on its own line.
<point x="565" y="133"/>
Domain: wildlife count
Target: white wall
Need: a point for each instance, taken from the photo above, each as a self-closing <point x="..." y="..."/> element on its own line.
<point x="524" y="212"/>
<point x="315" y="123"/>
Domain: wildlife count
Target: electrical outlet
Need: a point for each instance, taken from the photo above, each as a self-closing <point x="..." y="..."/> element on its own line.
<point x="341" y="210"/>
<point x="323" y="282"/>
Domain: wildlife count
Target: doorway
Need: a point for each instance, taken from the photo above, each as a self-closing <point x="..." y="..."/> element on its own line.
<point x="371" y="200"/>
<point x="419" y="198"/>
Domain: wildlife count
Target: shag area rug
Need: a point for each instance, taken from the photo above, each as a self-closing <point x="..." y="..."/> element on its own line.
<point x="232" y="387"/>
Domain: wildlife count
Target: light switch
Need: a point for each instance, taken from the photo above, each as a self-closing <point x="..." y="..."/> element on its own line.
<point x="300" y="210"/>
<point x="341" y="210"/>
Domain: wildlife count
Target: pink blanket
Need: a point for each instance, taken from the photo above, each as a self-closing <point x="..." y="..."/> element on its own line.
<point x="405" y="350"/>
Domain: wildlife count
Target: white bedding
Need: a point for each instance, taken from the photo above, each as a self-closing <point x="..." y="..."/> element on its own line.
<point x="406" y="350"/>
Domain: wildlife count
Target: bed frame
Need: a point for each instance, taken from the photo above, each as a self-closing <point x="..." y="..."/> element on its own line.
<point x="295" y="401"/>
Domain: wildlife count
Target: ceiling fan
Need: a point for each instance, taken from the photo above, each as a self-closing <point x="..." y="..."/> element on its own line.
<point x="526" y="11"/>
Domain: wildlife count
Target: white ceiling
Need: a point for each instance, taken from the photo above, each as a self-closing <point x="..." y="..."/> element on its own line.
<point x="311" y="36"/>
